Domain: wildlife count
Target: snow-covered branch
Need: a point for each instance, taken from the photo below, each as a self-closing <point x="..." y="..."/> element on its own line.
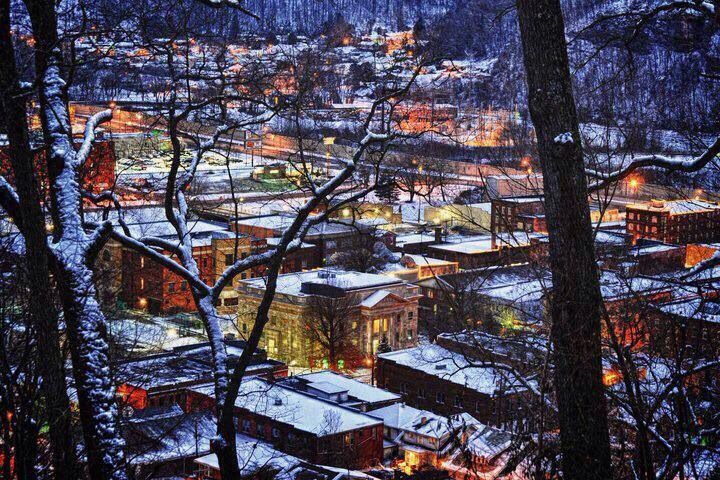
<point x="9" y="200"/>
<point x="89" y="136"/>
<point x="655" y="161"/>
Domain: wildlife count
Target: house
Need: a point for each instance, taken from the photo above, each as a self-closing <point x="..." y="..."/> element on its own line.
<point x="299" y="424"/>
<point x="376" y="307"/>
<point x="674" y="221"/>
<point x="460" y="444"/>
<point x="418" y="438"/>
<point x="161" y="380"/>
<point x="514" y="298"/>
<point x="486" y="452"/>
<point x="341" y="389"/>
<point x="434" y="378"/>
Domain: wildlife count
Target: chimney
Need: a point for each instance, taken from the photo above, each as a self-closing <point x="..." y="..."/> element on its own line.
<point x="438" y="235"/>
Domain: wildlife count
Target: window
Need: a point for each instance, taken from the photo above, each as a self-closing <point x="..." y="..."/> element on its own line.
<point x="458" y="401"/>
<point x="171" y="287"/>
<point x="440" y="397"/>
<point x="142" y="284"/>
<point x="142" y="262"/>
<point x="231" y="301"/>
<point x="421" y="392"/>
<point x="376" y="325"/>
<point x="259" y="430"/>
<point x="411" y="315"/>
<point x="229" y="259"/>
<point x="275" y="433"/>
<point x="183" y="286"/>
<point x="404" y="387"/>
<point x="106" y="255"/>
<point x="245" y="426"/>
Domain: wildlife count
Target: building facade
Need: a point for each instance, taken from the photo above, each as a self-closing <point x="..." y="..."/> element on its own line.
<point x="377" y="307"/>
<point x="675" y="222"/>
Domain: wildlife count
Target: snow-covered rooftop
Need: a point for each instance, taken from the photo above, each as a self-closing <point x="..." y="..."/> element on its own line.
<point x="299" y="410"/>
<point x="355" y="388"/>
<point x="456" y="368"/>
<point x="422" y="422"/>
<point x="291" y="283"/>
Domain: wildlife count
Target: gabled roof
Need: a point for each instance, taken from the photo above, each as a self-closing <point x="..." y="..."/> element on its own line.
<point x="377" y="297"/>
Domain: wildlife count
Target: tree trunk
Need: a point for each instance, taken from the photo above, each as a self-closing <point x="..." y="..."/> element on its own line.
<point x="42" y="312"/>
<point x="70" y="251"/>
<point x="576" y="300"/>
<point x="96" y="393"/>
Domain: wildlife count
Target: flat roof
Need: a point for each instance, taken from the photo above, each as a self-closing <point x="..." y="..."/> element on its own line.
<point x="361" y="391"/>
<point x="291" y="283"/>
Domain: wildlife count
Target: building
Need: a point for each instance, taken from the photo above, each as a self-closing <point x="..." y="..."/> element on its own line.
<point x="329" y="237"/>
<point x="514" y="185"/>
<point x="161" y="380"/>
<point x="96" y="174"/>
<point x="431" y="377"/>
<point x="474" y="217"/>
<point x="524" y="214"/>
<point x="687" y="327"/>
<point x="674" y="221"/>
<point x="413" y="268"/>
<point x="486" y="250"/>
<point x="341" y="389"/>
<point x="164" y="442"/>
<point x="141" y="283"/>
<point x="311" y="428"/>
<point x="418" y="438"/>
<point x="375" y="307"/>
<point x="259" y="459"/>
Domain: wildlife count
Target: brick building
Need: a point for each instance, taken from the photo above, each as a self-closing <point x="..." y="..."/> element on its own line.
<point x="431" y="377"/>
<point x="97" y="173"/>
<point x="675" y="222"/>
<point x="525" y="214"/>
<point x="319" y="431"/>
<point x="162" y="379"/>
<point x="143" y="284"/>
<point x="377" y="306"/>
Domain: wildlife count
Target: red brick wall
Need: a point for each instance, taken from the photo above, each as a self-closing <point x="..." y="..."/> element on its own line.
<point x="98" y="172"/>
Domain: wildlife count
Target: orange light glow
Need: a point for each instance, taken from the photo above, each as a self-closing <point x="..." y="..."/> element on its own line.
<point x="610" y="377"/>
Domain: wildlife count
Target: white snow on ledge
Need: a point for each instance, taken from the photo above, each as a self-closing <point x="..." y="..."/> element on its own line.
<point x="564" y="139"/>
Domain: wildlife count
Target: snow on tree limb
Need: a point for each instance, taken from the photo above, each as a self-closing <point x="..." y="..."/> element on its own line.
<point x="655" y="161"/>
